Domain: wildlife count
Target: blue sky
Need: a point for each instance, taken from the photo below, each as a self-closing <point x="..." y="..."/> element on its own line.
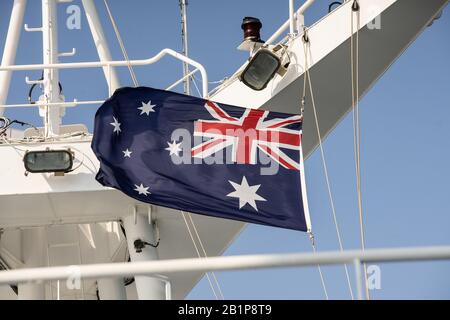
<point x="404" y="135"/>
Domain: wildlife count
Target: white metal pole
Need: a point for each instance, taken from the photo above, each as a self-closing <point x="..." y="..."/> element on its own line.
<point x="291" y="17"/>
<point x="53" y="114"/>
<point x="108" y="288"/>
<point x="137" y="226"/>
<point x="359" y="287"/>
<point x="9" y="52"/>
<point x="184" y="36"/>
<point x="100" y="42"/>
<point x="111" y="289"/>
<point x="34" y="244"/>
<point x="245" y="262"/>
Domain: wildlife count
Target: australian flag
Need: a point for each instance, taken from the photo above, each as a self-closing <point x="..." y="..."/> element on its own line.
<point x="195" y="155"/>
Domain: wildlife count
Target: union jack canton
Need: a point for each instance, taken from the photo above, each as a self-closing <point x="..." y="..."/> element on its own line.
<point x="247" y="134"/>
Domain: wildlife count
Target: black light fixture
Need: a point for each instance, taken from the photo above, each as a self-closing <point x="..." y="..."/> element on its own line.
<point x="261" y="69"/>
<point x="58" y="161"/>
<point x="251" y="27"/>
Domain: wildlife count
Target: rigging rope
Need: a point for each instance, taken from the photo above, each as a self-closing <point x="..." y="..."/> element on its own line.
<point x="122" y="46"/>
<point x="306" y="78"/>
<point x="205" y="255"/>
<point x="354" y="57"/>
<point x="322" y="280"/>
<point x="196" y="87"/>
<point x="200" y="256"/>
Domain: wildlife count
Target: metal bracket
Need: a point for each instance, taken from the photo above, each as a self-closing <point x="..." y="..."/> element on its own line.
<point x="28" y="29"/>
<point x="28" y="81"/>
<point x="68" y="54"/>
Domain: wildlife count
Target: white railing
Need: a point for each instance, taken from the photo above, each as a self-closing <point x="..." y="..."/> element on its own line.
<point x="75" y="102"/>
<point x="110" y="64"/>
<point x="295" y="22"/>
<point x="355" y="257"/>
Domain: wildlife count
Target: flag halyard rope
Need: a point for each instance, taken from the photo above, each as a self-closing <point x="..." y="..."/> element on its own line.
<point x="307" y="80"/>
<point x="354" y="59"/>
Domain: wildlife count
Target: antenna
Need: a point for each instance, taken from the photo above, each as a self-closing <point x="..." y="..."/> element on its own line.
<point x="184" y="40"/>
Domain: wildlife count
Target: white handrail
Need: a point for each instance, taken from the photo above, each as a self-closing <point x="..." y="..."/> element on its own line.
<point x="53" y="104"/>
<point x="75" y="102"/>
<point x="224" y="263"/>
<point x="119" y="63"/>
<point x="283" y="28"/>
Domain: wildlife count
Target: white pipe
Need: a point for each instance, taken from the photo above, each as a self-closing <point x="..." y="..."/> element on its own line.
<point x="358" y="274"/>
<point x="283" y="28"/>
<point x="9" y="52"/>
<point x="120" y="63"/>
<point x="60" y="104"/>
<point x="52" y="115"/>
<point x="34" y="244"/>
<point x="100" y="43"/>
<point x="108" y="288"/>
<point x="291" y="17"/>
<point x="137" y="226"/>
<point x="187" y="82"/>
<point x="111" y="289"/>
<point x="226" y="263"/>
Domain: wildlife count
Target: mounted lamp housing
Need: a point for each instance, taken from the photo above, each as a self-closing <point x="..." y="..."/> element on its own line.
<point x="264" y="64"/>
<point x="58" y="161"/>
<point x="261" y="69"/>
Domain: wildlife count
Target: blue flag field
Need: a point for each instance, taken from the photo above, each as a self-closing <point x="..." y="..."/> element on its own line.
<point x="195" y="155"/>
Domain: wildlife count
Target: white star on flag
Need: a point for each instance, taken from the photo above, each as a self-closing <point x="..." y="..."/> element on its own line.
<point x="173" y="148"/>
<point x="245" y="193"/>
<point x="147" y="107"/>
<point x="127" y="153"/>
<point x="116" y="125"/>
<point x="141" y="189"/>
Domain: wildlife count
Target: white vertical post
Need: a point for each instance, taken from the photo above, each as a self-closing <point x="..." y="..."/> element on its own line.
<point x="358" y="274"/>
<point x="52" y="115"/>
<point x="34" y="244"/>
<point x="108" y="288"/>
<point x="100" y="43"/>
<point x="184" y="36"/>
<point x="111" y="289"/>
<point x="291" y="17"/>
<point x="137" y="226"/>
<point x="9" y="52"/>
<point x="300" y="22"/>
